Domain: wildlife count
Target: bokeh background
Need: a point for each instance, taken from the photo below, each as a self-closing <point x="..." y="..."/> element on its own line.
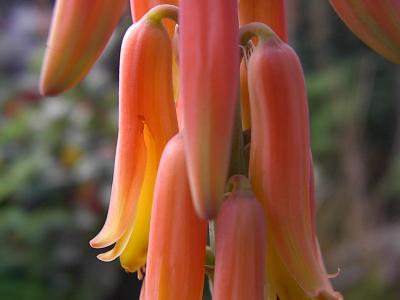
<point x="56" y="160"/>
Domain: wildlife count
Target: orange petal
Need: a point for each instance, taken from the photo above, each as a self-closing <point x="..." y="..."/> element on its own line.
<point x="145" y="97"/>
<point x="133" y="244"/>
<point x="209" y="65"/>
<point x="79" y="32"/>
<point x="280" y="163"/>
<point x="270" y="12"/>
<point x="240" y="248"/>
<point x="175" y="264"/>
<point x="134" y="255"/>
<point x="376" y="23"/>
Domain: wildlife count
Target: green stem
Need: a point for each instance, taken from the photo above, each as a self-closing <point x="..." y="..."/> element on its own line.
<point x="256" y="29"/>
<point x="156" y="14"/>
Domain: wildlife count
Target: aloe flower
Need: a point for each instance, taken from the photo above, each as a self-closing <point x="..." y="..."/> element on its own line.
<point x="240" y="246"/>
<point x="147" y="121"/>
<point x="167" y="185"/>
<point x="209" y="72"/>
<point x="270" y="12"/>
<point x="376" y="23"/>
<point x="280" y="169"/>
<point x="79" y="32"/>
<point x="175" y="264"/>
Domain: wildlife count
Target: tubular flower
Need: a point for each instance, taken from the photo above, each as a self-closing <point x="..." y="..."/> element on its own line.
<point x="376" y="23"/>
<point x="147" y="121"/>
<point x="79" y="32"/>
<point x="175" y="264"/>
<point x="209" y="72"/>
<point x="240" y="248"/>
<point x="270" y="12"/>
<point x="280" y="170"/>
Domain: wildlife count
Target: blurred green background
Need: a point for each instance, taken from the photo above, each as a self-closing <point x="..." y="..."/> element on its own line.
<point x="56" y="160"/>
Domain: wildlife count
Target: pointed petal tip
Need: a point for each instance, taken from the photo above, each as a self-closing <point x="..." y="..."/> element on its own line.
<point x="102" y="240"/>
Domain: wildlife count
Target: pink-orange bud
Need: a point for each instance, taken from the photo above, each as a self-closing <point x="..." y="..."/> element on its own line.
<point x="376" y="23"/>
<point x="146" y="103"/>
<point x="240" y="248"/>
<point x="280" y="170"/>
<point x="175" y="263"/>
<point x="209" y="64"/>
<point x="79" y="32"/>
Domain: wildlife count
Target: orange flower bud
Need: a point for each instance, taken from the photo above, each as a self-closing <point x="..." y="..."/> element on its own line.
<point x="240" y="248"/>
<point x="209" y="65"/>
<point x="175" y="264"/>
<point x="270" y="12"/>
<point x="376" y="23"/>
<point x="147" y="121"/>
<point x="280" y="171"/>
<point x="79" y="32"/>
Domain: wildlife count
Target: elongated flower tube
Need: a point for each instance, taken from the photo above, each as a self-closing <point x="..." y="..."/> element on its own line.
<point x="376" y="23"/>
<point x="240" y="247"/>
<point x="175" y="264"/>
<point x="270" y="12"/>
<point x="280" y="170"/>
<point x="147" y="121"/>
<point x="79" y="32"/>
<point x="209" y="65"/>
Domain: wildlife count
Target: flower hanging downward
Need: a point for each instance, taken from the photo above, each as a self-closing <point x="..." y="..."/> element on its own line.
<point x="79" y="32"/>
<point x="209" y="72"/>
<point x="376" y="23"/>
<point x="240" y="246"/>
<point x="280" y="169"/>
<point x="147" y="121"/>
<point x="175" y="264"/>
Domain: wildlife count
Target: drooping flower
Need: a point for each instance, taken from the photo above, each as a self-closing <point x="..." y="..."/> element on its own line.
<point x="209" y="72"/>
<point x="270" y="12"/>
<point x="175" y="263"/>
<point x="147" y="120"/>
<point x="240" y="247"/>
<point x="280" y="170"/>
<point x="376" y="23"/>
<point x="79" y="32"/>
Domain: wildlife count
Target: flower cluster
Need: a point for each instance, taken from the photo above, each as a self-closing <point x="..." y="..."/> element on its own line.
<point x="213" y="132"/>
